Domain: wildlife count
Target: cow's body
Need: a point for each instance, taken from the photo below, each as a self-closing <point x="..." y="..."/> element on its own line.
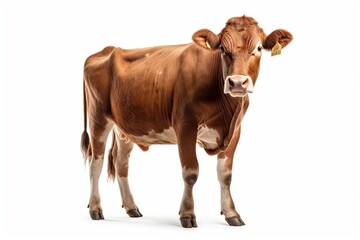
<point x="149" y="90"/>
<point x="166" y="95"/>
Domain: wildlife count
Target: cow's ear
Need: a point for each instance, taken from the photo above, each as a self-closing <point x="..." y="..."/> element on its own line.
<point x="277" y="39"/>
<point x="206" y="39"/>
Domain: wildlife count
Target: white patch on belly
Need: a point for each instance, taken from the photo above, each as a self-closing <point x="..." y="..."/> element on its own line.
<point x="168" y="136"/>
<point x="207" y="137"/>
<point x="122" y="136"/>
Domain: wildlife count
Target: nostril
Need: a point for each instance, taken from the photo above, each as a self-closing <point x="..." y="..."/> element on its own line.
<point x="231" y="82"/>
<point x="245" y="83"/>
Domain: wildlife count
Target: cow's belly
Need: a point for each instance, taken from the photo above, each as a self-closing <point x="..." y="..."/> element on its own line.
<point x="168" y="136"/>
<point x="207" y="138"/>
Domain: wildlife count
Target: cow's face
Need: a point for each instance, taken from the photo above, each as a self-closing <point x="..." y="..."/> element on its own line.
<point x="241" y="43"/>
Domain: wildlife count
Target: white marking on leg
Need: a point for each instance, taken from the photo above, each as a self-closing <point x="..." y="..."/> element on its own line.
<point x="95" y="171"/>
<point x="122" y="163"/>
<point x="127" y="198"/>
<point x="224" y="174"/>
<point x="222" y="169"/>
<point x="187" y="202"/>
<point x="188" y="172"/>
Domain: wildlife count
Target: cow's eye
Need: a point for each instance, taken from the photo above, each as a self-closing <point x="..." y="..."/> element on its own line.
<point x="228" y="55"/>
<point x="223" y="50"/>
<point x="257" y="50"/>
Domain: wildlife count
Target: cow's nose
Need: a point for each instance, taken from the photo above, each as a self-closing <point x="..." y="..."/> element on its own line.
<point x="241" y="83"/>
<point x="238" y="85"/>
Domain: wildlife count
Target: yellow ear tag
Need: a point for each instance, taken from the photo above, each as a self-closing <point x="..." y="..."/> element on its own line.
<point x="207" y="44"/>
<point x="276" y="50"/>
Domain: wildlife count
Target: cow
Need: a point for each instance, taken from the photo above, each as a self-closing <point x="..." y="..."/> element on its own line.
<point x="187" y="94"/>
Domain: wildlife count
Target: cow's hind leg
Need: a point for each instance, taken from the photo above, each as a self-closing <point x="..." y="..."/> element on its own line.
<point x="121" y="154"/>
<point x="98" y="136"/>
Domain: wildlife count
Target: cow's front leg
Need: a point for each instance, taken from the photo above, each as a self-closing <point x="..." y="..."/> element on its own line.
<point x="190" y="171"/>
<point x="224" y="171"/>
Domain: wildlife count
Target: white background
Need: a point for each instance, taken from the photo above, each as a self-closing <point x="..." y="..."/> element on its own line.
<point x="296" y="174"/>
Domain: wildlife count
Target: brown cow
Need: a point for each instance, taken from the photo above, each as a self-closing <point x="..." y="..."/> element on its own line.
<point x="183" y="94"/>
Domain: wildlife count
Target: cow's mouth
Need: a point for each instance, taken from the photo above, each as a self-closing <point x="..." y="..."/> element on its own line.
<point x="237" y="93"/>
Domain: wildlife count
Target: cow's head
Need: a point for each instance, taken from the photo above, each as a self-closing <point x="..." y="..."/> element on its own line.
<point x="241" y="43"/>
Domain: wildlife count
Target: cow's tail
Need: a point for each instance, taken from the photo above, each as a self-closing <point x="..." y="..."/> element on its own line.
<point x="111" y="166"/>
<point x="85" y="141"/>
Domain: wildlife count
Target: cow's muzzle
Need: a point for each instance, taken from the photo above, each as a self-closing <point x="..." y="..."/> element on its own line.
<point x="238" y="85"/>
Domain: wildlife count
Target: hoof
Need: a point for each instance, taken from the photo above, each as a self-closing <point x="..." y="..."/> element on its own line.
<point x="188" y="223"/>
<point x="235" y="221"/>
<point x="96" y="215"/>
<point x="135" y="213"/>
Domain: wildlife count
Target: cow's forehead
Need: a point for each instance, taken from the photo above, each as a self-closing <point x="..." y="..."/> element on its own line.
<point x="244" y="38"/>
<point x="245" y="25"/>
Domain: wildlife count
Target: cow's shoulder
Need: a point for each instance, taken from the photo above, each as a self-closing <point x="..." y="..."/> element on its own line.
<point x="99" y="57"/>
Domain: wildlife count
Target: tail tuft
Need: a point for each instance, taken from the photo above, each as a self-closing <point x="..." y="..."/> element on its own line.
<point x="111" y="167"/>
<point x="85" y="142"/>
